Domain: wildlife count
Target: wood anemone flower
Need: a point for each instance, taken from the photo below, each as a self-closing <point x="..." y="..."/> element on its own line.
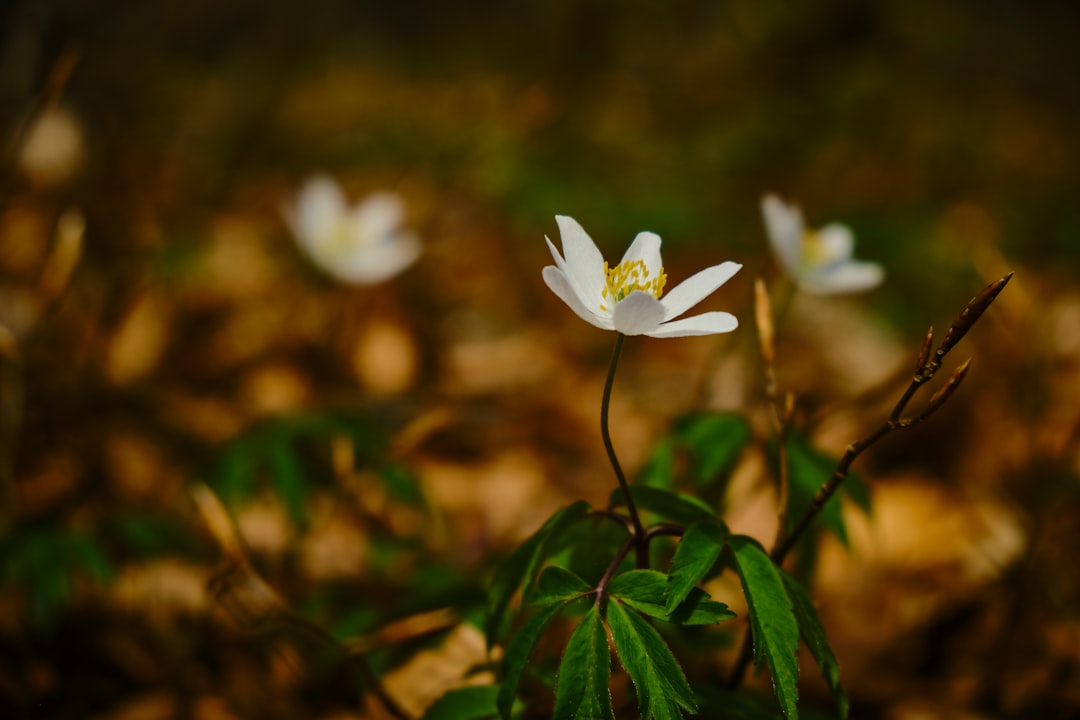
<point x="627" y="298"/>
<point x="362" y="244"/>
<point x="817" y="261"/>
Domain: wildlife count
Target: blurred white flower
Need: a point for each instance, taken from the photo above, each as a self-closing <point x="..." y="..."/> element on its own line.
<point x="362" y="244"/>
<point x="626" y="298"/>
<point x="817" y="261"/>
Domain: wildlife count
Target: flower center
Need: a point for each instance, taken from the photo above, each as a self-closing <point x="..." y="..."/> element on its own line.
<point x="814" y="252"/>
<point x="626" y="277"/>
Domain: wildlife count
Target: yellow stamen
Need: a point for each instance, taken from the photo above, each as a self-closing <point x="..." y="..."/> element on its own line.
<point x="813" y="249"/>
<point x="626" y="277"/>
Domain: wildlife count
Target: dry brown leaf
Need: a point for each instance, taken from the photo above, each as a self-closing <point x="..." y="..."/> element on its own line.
<point x="137" y="467"/>
<point x="429" y="674"/>
<point x="500" y="363"/>
<point x="138" y="343"/>
<point x="161" y="588"/>
<point x="498" y="500"/>
<point x="54" y="148"/>
<point x="334" y="546"/>
<point x="274" y="389"/>
<point x="385" y="358"/>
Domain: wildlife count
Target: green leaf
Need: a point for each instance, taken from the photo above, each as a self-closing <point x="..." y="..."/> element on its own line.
<point x="86" y="552"/>
<point x="288" y="478"/>
<point x="518" y="650"/>
<point x="586" y="549"/>
<point x="151" y="535"/>
<point x="813" y="634"/>
<point x="715" y="440"/>
<point x="402" y="484"/>
<point x="524" y="563"/>
<point x="808" y="470"/>
<point x="644" y="590"/>
<point x="661" y="686"/>
<point x="659" y="470"/>
<point x="695" y="556"/>
<point x="683" y="509"/>
<point x="718" y="702"/>
<point x="556" y="585"/>
<point x="772" y="620"/>
<point x="581" y="692"/>
<point x="467" y="703"/>
<point x="233" y="476"/>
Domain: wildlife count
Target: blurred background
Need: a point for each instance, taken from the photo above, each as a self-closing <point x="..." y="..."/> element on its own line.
<point x="381" y="447"/>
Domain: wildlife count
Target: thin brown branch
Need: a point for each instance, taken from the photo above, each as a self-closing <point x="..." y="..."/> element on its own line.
<point x="927" y="366"/>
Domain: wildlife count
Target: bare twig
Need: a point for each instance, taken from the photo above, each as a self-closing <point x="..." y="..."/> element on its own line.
<point x="896" y="420"/>
<point x="927" y="366"/>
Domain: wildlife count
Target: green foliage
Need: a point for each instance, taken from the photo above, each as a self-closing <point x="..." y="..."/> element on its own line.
<point x="772" y="619"/>
<point x="644" y="590"/>
<point x="710" y="443"/>
<point x="467" y="703"/>
<point x="716" y="702"/>
<point x="659" y="469"/>
<point x="662" y="689"/>
<point x="698" y="551"/>
<point x="288" y="478"/>
<point x="808" y="470"/>
<point x="146" y="535"/>
<point x="714" y="442"/>
<point x="780" y="612"/>
<point x="44" y="562"/>
<point x="558" y="585"/>
<point x="518" y="650"/>
<point x="813" y="634"/>
<point x="588" y="547"/>
<point x="582" y="687"/>
<point x="521" y="568"/>
<point x="669" y="505"/>
<point x="401" y="483"/>
<point x="282" y="452"/>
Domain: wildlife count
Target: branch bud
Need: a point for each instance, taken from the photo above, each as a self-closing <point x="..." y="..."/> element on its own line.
<point x="938" y="399"/>
<point x="970" y="314"/>
<point x="924" y="354"/>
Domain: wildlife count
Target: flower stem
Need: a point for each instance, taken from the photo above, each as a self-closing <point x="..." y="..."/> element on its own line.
<point x="605" y="403"/>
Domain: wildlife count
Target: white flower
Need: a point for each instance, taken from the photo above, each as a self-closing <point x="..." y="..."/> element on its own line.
<point x="817" y="261"/>
<point x="626" y="298"/>
<point x="363" y="244"/>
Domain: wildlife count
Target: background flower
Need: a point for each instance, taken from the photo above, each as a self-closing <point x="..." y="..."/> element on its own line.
<point x="626" y="298"/>
<point x="363" y="244"/>
<point x="818" y="261"/>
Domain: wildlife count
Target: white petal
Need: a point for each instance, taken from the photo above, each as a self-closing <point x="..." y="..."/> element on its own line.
<point x="320" y="206"/>
<point x="584" y="264"/>
<point x="835" y="243"/>
<point x="646" y="247"/>
<point x="375" y="263"/>
<point x="845" y="278"/>
<point x="696" y="288"/>
<point x="637" y="313"/>
<point x="379" y="213"/>
<point x="560" y="263"/>
<point x="785" y="228"/>
<point x="560" y="285"/>
<point x="710" y="323"/>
